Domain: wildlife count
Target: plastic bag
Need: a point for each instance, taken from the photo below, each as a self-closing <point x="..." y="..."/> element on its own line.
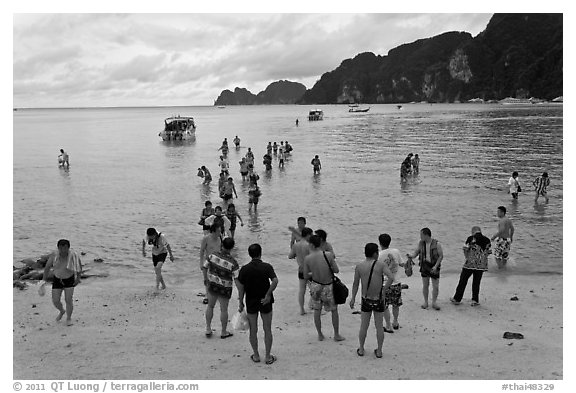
<point x="42" y="289"/>
<point x="240" y="321"/>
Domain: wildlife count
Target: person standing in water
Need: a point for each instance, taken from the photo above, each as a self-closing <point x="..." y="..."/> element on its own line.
<point x="503" y="238"/>
<point x="514" y="185"/>
<point x="316" y="164"/>
<point x="64" y="159"/>
<point x="541" y="183"/>
<point x="236" y="141"/>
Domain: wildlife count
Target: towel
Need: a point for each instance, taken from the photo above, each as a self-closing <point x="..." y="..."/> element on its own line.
<point x="73" y="263"/>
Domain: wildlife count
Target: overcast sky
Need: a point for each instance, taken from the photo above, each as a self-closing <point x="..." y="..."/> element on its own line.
<point x="152" y="59"/>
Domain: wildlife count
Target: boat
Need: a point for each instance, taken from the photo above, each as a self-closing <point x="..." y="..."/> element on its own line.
<point x="515" y="101"/>
<point x="358" y="109"/>
<point x="315" y="114"/>
<point x="353" y="105"/>
<point x="558" y="99"/>
<point x="178" y="128"/>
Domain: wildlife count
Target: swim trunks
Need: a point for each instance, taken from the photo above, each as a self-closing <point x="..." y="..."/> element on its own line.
<point x="159" y="258"/>
<point x="61" y="283"/>
<point x="321" y="295"/>
<point x="393" y="295"/>
<point x="227" y="196"/>
<point x="369" y="305"/>
<point x="256" y="306"/>
<point x="426" y="270"/>
<point x="502" y="248"/>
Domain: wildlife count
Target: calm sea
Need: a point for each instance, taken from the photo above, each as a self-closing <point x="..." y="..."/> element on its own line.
<point x="123" y="179"/>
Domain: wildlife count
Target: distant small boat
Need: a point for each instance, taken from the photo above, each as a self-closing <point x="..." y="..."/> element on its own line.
<point x="221" y="106"/>
<point x="178" y="128"/>
<point x="558" y="99"/>
<point x="399" y="106"/>
<point x="316" y="114"/>
<point x="359" y="109"/>
<point x="515" y="101"/>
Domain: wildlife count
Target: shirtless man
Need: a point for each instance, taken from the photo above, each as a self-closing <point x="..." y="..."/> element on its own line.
<point x="371" y="273"/>
<point x="318" y="267"/>
<point x="67" y="270"/>
<point x="299" y="251"/>
<point x="316" y="164"/>
<point x="228" y="190"/>
<point x="503" y="238"/>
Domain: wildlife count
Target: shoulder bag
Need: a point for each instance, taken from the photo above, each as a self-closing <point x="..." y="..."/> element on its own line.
<point x="339" y="290"/>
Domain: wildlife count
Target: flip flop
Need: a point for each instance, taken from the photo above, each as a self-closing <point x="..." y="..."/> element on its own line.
<point x="205" y="301"/>
<point x="435" y="307"/>
<point x="388" y="330"/>
<point x="271" y="360"/>
<point x="376" y="353"/>
<point x="208" y="334"/>
<point x="254" y="359"/>
<point x="227" y="335"/>
<point x="395" y="327"/>
<point x="358" y="352"/>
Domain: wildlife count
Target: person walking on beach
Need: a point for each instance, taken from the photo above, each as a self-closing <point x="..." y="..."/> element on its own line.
<point x="160" y="249"/>
<point x="393" y="295"/>
<point x="219" y="272"/>
<point x="275" y="148"/>
<point x="67" y="268"/>
<point x="319" y="268"/>
<point x="64" y="159"/>
<point x="317" y="165"/>
<point x="370" y="273"/>
<point x="476" y="250"/>
<point x="503" y="238"/>
<point x="206" y="212"/>
<point x="297" y="122"/>
<point x="431" y="255"/>
<point x="514" y="185"/>
<point x="541" y="184"/>
<point x="299" y="251"/>
<point x="207" y="175"/>
<point x="257" y="282"/>
<point x="210" y="244"/>
<point x="233" y="216"/>
<point x="281" y="157"/>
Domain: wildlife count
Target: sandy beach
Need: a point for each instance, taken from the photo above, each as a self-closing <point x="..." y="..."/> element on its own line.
<point x="137" y="333"/>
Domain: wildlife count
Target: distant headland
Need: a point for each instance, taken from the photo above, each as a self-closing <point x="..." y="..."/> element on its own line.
<point x="517" y="55"/>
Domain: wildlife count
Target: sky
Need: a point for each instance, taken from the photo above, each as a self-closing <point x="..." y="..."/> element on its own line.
<point x="86" y="59"/>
